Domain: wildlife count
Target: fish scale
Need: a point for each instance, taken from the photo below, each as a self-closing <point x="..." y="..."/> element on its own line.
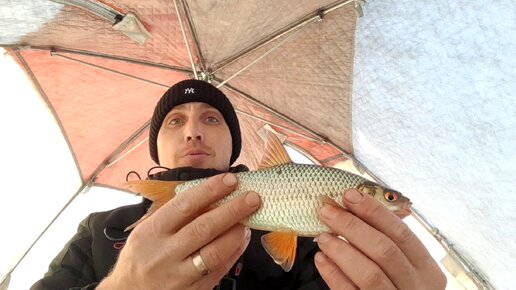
<point x="290" y="195"/>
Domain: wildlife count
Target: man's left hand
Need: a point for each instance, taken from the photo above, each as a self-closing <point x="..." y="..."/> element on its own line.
<point x="381" y="253"/>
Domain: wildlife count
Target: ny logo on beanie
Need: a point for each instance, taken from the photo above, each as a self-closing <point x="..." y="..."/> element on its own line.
<point x="189" y="91"/>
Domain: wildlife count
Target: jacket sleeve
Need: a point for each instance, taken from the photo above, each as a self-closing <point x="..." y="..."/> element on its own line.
<point x="309" y="277"/>
<point x="317" y="283"/>
<point x="72" y="268"/>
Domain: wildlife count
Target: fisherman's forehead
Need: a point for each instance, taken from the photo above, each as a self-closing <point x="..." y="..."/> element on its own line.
<point x="195" y="105"/>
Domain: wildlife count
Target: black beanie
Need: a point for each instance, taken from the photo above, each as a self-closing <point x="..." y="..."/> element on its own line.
<point x="189" y="91"/>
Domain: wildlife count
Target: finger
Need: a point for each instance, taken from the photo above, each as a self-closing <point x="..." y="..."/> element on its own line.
<point x="217" y="253"/>
<point x="332" y="274"/>
<point x="211" y="280"/>
<point x="374" y="244"/>
<point x="186" y="206"/>
<point x="378" y="216"/>
<point x="211" y="224"/>
<point x="355" y="265"/>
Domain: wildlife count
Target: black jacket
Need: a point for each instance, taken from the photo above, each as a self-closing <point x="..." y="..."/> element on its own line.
<point x="89" y="256"/>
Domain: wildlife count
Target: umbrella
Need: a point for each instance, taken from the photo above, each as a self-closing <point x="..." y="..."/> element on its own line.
<point x="402" y="94"/>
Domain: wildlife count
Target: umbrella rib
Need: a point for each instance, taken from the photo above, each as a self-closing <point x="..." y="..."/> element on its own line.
<point x="285" y="118"/>
<point x="198" y="51"/>
<point x="259" y="58"/>
<point x="111" y="70"/>
<point x="467" y="266"/>
<point x="318" y="15"/>
<point x="54" y="50"/>
<point x="186" y="40"/>
<point x="304" y="152"/>
<point x="249" y="115"/>
<point x="109" y="160"/>
<point x="112" y="57"/>
<point x="44" y="96"/>
<point x="127" y="153"/>
<point x="88" y="184"/>
<point x="358" y="165"/>
<point x="84" y="187"/>
<point x="331" y="158"/>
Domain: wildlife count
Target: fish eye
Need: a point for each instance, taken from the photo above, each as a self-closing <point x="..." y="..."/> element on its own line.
<point x="390" y="196"/>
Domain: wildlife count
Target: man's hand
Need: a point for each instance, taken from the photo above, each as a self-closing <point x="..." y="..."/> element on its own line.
<point x="382" y="253"/>
<point x="158" y="253"/>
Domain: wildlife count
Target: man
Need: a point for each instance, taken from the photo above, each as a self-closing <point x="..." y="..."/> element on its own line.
<point x="186" y="244"/>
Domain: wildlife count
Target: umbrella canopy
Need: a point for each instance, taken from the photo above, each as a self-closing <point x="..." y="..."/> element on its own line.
<point x="406" y="92"/>
<point x="91" y="73"/>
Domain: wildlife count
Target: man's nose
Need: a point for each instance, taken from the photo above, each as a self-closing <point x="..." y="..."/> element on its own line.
<point x="191" y="137"/>
<point x="193" y="132"/>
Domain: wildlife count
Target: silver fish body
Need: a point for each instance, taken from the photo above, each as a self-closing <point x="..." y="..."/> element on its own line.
<point x="291" y="195"/>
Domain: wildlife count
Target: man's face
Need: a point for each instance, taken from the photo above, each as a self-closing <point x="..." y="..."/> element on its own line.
<point x="196" y="135"/>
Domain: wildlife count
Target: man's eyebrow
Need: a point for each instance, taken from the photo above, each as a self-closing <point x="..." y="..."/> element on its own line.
<point x="209" y="108"/>
<point x="206" y="106"/>
<point x="212" y="109"/>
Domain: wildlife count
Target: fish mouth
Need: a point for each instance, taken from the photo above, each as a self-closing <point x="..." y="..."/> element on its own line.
<point x="404" y="211"/>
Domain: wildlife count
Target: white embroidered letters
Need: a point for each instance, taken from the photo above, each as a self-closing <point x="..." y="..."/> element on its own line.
<point x="189" y="91"/>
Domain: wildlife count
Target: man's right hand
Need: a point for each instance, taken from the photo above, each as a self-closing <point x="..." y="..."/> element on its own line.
<point x="158" y="253"/>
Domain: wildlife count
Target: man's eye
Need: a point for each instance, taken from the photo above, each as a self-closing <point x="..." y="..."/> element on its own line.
<point x="212" y="120"/>
<point x="175" y="121"/>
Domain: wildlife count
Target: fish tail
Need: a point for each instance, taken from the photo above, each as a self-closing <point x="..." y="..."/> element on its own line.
<point x="158" y="191"/>
<point x="153" y="189"/>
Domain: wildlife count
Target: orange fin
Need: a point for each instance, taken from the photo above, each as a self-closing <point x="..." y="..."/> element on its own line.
<point x="274" y="153"/>
<point x="153" y="189"/>
<point x="158" y="191"/>
<point x="281" y="246"/>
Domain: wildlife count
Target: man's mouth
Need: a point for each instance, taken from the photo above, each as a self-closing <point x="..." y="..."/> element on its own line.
<point x="196" y="153"/>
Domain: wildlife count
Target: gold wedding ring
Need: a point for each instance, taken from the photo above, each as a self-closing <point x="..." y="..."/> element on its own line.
<point x="199" y="264"/>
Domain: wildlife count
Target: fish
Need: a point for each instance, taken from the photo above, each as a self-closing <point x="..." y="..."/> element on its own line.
<point x="291" y="194"/>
